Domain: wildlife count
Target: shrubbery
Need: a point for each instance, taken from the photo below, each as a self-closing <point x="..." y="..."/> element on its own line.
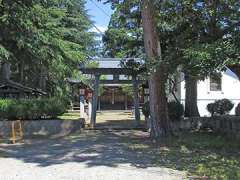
<point x="32" y="109"/>
<point x="146" y="109"/>
<point x="175" y="110"/>
<point x="220" y="107"/>
<point x="237" y="110"/>
<point x="211" y="107"/>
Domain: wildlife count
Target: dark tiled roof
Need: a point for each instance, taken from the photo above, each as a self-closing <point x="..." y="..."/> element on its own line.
<point x="21" y="87"/>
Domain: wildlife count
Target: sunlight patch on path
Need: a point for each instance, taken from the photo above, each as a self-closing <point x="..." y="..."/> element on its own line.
<point x="93" y="155"/>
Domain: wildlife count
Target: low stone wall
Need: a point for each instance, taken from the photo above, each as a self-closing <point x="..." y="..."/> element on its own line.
<point x="228" y="125"/>
<point x="43" y="127"/>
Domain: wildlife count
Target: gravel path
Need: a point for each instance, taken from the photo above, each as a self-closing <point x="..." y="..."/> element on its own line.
<point x="90" y="155"/>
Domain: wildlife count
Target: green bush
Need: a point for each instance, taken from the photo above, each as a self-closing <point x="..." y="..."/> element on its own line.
<point x="175" y="110"/>
<point x="146" y="109"/>
<point x="237" y="110"/>
<point x="7" y="109"/>
<point x="56" y="107"/>
<point x="220" y="107"/>
<point x="32" y="109"/>
<point x="211" y="107"/>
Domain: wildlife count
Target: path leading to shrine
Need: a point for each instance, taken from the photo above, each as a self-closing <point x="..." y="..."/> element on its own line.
<point x="117" y="119"/>
<point x="91" y="155"/>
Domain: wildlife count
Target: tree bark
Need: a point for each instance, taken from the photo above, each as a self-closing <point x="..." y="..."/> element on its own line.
<point x="191" y="107"/>
<point x="158" y="78"/>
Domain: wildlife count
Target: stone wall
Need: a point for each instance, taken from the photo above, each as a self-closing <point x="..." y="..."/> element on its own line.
<point x="227" y="125"/>
<point x="43" y="127"/>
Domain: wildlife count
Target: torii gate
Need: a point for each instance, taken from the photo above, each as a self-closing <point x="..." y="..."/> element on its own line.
<point x="116" y="72"/>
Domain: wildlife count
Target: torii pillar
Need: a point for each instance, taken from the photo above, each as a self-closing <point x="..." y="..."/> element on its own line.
<point x="95" y="101"/>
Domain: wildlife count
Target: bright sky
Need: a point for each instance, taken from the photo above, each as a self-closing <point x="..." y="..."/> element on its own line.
<point x="100" y="13"/>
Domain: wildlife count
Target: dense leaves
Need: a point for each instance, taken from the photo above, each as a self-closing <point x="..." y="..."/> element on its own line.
<point x="175" y="110"/>
<point x="220" y="107"/>
<point x="124" y="37"/>
<point x="199" y="36"/>
<point x="32" y="109"/>
<point x="44" y="40"/>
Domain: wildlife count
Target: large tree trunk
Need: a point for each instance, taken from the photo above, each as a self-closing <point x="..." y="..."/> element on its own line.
<point x="191" y="107"/>
<point x="158" y="79"/>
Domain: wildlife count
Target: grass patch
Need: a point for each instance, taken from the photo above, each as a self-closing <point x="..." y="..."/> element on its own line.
<point x="2" y="155"/>
<point x="204" y="155"/>
<point x="70" y="116"/>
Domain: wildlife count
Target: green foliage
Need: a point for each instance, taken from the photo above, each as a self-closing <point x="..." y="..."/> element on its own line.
<point x="48" y="37"/>
<point x="69" y="116"/>
<point x="4" y="54"/>
<point x="7" y="108"/>
<point x="124" y="37"/>
<point x="32" y="109"/>
<point x="146" y="109"/>
<point x="200" y="37"/>
<point x="211" y="107"/>
<point x="220" y="107"/>
<point x="237" y="110"/>
<point x="127" y="89"/>
<point x="175" y="111"/>
<point x="202" y="155"/>
<point x="224" y="106"/>
<point x="206" y="58"/>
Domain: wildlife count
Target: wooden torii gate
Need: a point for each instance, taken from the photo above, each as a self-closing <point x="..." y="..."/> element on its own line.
<point x="116" y="72"/>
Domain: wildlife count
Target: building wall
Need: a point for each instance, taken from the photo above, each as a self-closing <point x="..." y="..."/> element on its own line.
<point x="230" y="90"/>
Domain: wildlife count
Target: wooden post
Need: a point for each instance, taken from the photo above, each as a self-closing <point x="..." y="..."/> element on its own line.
<point x="20" y="130"/>
<point x="13" y="133"/>
<point x="17" y="130"/>
<point x="90" y="108"/>
<point x="136" y="100"/>
<point x="95" y="101"/>
<point x="82" y="110"/>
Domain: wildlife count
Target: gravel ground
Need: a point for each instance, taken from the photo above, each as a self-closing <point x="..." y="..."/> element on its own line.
<point x="92" y="155"/>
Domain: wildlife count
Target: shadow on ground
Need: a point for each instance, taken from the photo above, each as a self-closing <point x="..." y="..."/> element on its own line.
<point x="202" y="154"/>
<point x="121" y="124"/>
<point x="92" y="147"/>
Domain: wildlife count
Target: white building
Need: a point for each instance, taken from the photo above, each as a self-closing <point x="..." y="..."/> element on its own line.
<point x="227" y="85"/>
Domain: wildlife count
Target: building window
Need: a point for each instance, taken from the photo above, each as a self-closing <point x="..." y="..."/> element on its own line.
<point x="216" y="82"/>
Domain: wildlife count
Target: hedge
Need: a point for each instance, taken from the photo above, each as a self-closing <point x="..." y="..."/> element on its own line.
<point x="32" y="108"/>
<point x="175" y="110"/>
<point x="220" y="107"/>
